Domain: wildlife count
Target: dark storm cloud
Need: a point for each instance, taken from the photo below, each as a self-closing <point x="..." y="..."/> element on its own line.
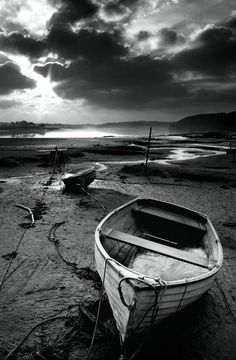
<point x="114" y="8"/>
<point x="118" y="6"/>
<point x="105" y="72"/>
<point x="125" y="11"/>
<point x="121" y="6"/>
<point x="170" y="37"/>
<point x="12" y="79"/>
<point x="212" y="52"/>
<point x="143" y="35"/>
<point x="71" y="11"/>
<point x="231" y="22"/>
<point x="205" y="98"/>
<point x="119" y="83"/>
<point x="66" y="43"/>
<point x="23" y="44"/>
<point x="57" y="71"/>
<point x="161" y="43"/>
<point x="87" y="43"/>
<point x="10" y="26"/>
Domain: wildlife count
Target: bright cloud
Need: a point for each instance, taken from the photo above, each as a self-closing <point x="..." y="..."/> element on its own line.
<point x="82" y="60"/>
<point x="32" y="15"/>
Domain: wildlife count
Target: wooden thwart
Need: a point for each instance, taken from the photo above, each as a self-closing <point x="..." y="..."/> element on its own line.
<point x="158" y="248"/>
<point x="156" y="238"/>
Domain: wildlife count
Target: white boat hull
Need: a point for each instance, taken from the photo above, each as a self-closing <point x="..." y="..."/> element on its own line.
<point x="174" y="298"/>
<point x="133" y="306"/>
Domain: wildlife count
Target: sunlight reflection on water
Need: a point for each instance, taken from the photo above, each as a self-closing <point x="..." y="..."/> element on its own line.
<point x="60" y="134"/>
<point x="74" y="133"/>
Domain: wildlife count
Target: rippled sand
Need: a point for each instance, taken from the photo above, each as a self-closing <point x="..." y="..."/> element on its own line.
<point x="40" y="285"/>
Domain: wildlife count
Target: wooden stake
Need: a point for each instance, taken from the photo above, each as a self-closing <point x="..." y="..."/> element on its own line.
<point x="148" y="148"/>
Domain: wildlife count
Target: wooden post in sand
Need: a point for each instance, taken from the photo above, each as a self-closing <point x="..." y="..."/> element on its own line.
<point x="148" y="148"/>
<point x="231" y="150"/>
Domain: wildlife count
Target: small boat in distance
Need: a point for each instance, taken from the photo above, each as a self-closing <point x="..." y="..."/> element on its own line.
<point x="82" y="178"/>
<point x="154" y="259"/>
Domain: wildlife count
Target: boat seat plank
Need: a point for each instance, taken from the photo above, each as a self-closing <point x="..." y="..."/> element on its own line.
<point x="159" y="239"/>
<point x="156" y="247"/>
<point x="176" y="218"/>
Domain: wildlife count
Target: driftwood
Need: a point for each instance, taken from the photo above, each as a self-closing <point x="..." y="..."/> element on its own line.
<point x="29" y="210"/>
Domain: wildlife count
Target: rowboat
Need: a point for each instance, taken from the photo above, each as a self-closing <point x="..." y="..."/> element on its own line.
<point x="154" y="258"/>
<point x="82" y="178"/>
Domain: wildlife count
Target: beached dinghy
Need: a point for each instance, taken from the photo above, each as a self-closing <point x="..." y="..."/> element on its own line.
<point x="82" y="178"/>
<point x="154" y="258"/>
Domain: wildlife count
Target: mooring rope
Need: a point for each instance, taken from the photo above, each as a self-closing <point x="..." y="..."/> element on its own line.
<point x="230" y="311"/>
<point x="98" y="310"/>
<point x="16" y="348"/>
<point x="27" y="226"/>
<point x="183" y="294"/>
<point x="154" y="307"/>
<point x="52" y="238"/>
<point x="14" y="253"/>
<point x="48" y="182"/>
<point x="93" y="197"/>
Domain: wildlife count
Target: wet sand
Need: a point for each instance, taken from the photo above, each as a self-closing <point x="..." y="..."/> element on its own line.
<point x="52" y="275"/>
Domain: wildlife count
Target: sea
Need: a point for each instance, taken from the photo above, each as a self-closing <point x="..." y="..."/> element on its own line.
<point x="84" y="132"/>
<point x="179" y="147"/>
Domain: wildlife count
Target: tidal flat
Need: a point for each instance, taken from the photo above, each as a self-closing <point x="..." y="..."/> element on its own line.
<point x="50" y="289"/>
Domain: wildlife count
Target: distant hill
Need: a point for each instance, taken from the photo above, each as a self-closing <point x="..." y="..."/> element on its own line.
<point x="140" y="128"/>
<point x="218" y="122"/>
<point x="135" y="123"/>
<point x="200" y="123"/>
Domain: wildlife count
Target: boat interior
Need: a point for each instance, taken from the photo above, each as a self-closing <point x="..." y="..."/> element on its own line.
<point x="158" y="239"/>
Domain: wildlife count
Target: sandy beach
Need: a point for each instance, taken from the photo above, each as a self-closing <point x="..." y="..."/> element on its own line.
<point x="50" y="289"/>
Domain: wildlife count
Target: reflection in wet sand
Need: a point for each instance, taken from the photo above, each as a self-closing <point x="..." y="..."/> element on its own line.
<point x="181" y="154"/>
<point x="175" y="154"/>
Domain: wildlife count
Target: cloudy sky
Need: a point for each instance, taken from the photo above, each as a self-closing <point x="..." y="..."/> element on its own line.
<point x="94" y="61"/>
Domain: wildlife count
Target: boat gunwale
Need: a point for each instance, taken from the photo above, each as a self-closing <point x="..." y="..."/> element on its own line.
<point x="81" y="172"/>
<point x="114" y="263"/>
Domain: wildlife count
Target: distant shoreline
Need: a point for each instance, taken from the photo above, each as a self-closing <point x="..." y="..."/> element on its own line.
<point x="198" y="123"/>
<point x="91" y="132"/>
